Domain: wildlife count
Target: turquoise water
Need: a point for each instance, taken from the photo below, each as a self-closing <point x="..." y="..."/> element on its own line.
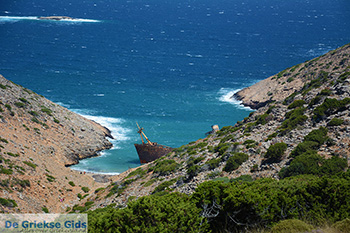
<point x="171" y="66"/>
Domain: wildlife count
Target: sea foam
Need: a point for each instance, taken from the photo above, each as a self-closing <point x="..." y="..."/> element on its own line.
<point x="119" y="132"/>
<point x="5" y="19"/>
<point x="226" y="96"/>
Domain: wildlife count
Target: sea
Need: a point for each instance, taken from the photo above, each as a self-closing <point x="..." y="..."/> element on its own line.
<point x="171" y="66"/>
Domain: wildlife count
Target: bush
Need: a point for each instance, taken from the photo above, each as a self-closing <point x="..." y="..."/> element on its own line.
<point x="222" y="148"/>
<point x="304" y="147"/>
<point x="317" y="135"/>
<point x="8" y="202"/>
<point x="71" y="183"/>
<point x="312" y="163"/>
<point x="19" y="105"/>
<point x="312" y="141"/>
<point x="235" y="161"/>
<point x="294" y="118"/>
<point x="276" y="151"/>
<point x="167" y="213"/>
<point x="325" y="92"/>
<point x="328" y="107"/>
<point x="213" y="163"/>
<point x="164" y="186"/>
<point x="291" y="226"/>
<point x="85" y="189"/>
<point x="30" y="164"/>
<point x="193" y="170"/>
<point x="46" y="210"/>
<point x="296" y="104"/>
<point x="267" y="201"/>
<point x="263" y="119"/>
<point x="315" y="101"/>
<point x="46" y="110"/>
<point x="306" y="163"/>
<point x="165" y="167"/>
<point x="335" y="122"/>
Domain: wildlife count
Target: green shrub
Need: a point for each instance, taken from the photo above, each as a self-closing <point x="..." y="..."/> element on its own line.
<point x="30" y="164"/>
<point x="12" y="154"/>
<point x="276" y="151"/>
<point x="306" y="163"/>
<point x="262" y="119"/>
<point x="85" y="189"/>
<point x="269" y="201"/>
<point x="139" y="172"/>
<point x="5" y="171"/>
<point x="71" y="183"/>
<point x="164" y="185"/>
<point x="213" y="163"/>
<point x="325" y="92"/>
<point x="23" y="100"/>
<point x="19" y="105"/>
<point x="235" y="161"/>
<point x="317" y="135"/>
<point x="296" y="104"/>
<point x="328" y="107"/>
<point x="315" y="101"/>
<point x="312" y="141"/>
<point x="34" y="119"/>
<point x="291" y="226"/>
<point x="46" y="110"/>
<point x="304" y="147"/>
<point x="33" y="113"/>
<point x="8" y="202"/>
<point x="50" y="178"/>
<point x="193" y="170"/>
<point x="149" y="183"/>
<point x="172" y="212"/>
<point x="45" y="209"/>
<point x="165" y="167"/>
<point x="335" y="122"/>
<point x="8" y="107"/>
<point x="294" y="118"/>
<point x="273" y="135"/>
<point x="222" y="148"/>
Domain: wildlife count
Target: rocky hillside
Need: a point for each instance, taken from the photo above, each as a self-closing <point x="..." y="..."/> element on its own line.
<point x="300" y="126"/>
<point x="302" y="114"/>
<point x="38" y="140"/>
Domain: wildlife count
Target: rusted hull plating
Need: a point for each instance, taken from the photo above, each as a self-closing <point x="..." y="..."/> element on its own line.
<point x="148" y="153"/>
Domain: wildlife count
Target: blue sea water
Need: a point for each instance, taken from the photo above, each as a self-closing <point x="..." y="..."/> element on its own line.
<point x="171" y="66"/>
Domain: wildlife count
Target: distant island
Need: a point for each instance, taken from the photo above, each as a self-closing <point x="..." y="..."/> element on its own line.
<point x="56" y="18"/>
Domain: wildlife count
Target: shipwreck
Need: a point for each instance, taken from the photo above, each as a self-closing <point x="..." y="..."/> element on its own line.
<point x="149" y="151"/>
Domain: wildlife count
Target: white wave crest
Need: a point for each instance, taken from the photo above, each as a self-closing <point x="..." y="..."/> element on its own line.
<point x="119" y="132"/>
<point x="5" y="19"/>
<point x="226" y="96"/>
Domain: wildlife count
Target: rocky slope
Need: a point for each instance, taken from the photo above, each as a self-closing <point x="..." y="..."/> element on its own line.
<point x="309" y="97"/>
<point x="38" y="140"/>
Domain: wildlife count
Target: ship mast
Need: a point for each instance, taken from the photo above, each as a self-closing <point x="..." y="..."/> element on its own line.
<point x="144" y="135"/>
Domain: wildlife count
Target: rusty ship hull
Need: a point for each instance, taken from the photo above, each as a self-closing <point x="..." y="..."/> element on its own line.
<point x="148" y="153"/>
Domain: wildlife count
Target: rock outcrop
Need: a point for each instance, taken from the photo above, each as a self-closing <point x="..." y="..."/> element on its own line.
<point x="290" y="80"/>
<point x="38" y="140"/>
